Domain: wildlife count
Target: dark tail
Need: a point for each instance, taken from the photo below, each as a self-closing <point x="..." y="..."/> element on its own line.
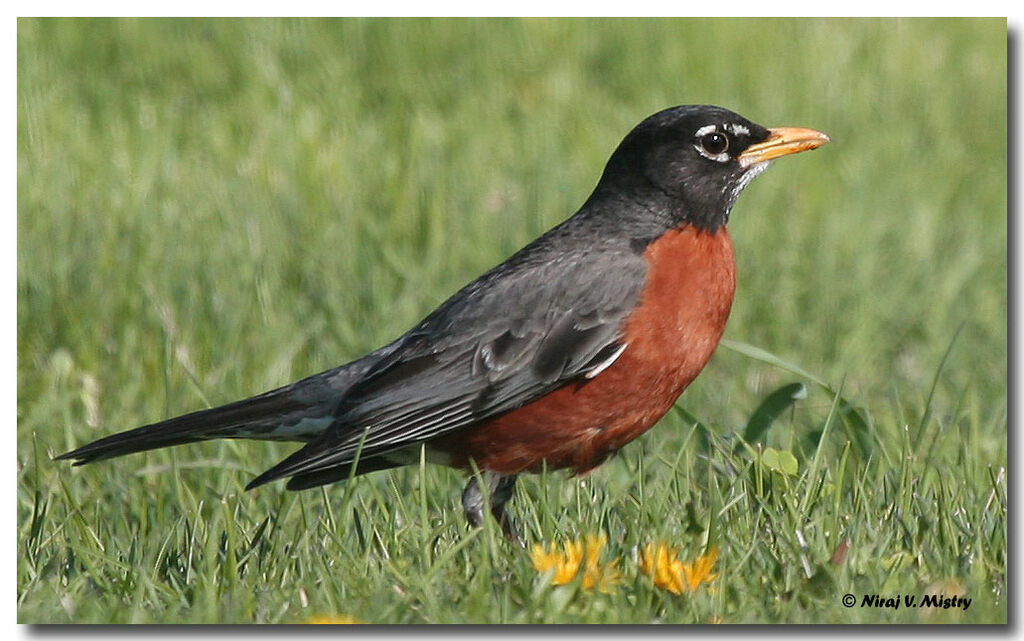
<point x="297" y="412"/>
<point x="276" y="415"/>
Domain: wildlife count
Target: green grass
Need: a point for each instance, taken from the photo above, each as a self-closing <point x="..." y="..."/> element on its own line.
<point x="208" y="209"/>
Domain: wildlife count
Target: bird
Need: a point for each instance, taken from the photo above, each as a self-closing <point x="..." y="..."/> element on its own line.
<point x="556" y="358"/>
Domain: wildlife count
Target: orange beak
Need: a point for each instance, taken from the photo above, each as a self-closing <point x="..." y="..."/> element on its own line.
<point x="782" y="141"/>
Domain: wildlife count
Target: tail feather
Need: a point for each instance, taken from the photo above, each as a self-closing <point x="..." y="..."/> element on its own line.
<point x="257" y="417"/>
<point x="301" y="412"/>
<point x="335" y="474"/>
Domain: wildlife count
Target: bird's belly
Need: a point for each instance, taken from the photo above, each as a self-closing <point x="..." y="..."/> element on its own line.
<point x="670" y="337"/>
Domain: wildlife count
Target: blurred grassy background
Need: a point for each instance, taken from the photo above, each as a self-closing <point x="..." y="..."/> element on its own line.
<point x="211" y="208"/>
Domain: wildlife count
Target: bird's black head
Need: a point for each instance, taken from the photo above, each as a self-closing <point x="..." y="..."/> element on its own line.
<point x="688" y="164"/>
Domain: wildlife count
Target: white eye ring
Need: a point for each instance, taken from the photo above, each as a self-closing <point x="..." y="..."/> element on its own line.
<point x="706" y="130"/>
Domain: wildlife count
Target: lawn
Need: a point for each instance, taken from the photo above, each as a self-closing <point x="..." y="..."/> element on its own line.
<point x="211" y="208"/>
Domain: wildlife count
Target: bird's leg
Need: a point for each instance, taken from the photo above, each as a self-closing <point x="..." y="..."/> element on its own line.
<point x="499" y="491"/>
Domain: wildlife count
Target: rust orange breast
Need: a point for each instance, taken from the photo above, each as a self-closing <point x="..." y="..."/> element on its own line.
<point x="670" y="336"/>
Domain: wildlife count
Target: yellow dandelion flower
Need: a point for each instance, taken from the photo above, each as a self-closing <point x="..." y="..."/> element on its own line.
<point x="577" y="555"/>
<point x="596" y="575"/>
<point x="564" y="564"/>
<point x="662" y="564"/>
<point x="699" y="570"/>
<point x="324" y="619"/>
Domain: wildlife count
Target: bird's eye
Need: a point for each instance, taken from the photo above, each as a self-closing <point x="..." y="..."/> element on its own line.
<point x="714" y="143"/>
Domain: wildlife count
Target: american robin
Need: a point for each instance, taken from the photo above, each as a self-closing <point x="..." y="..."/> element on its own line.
<point x="559" y="356"/>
